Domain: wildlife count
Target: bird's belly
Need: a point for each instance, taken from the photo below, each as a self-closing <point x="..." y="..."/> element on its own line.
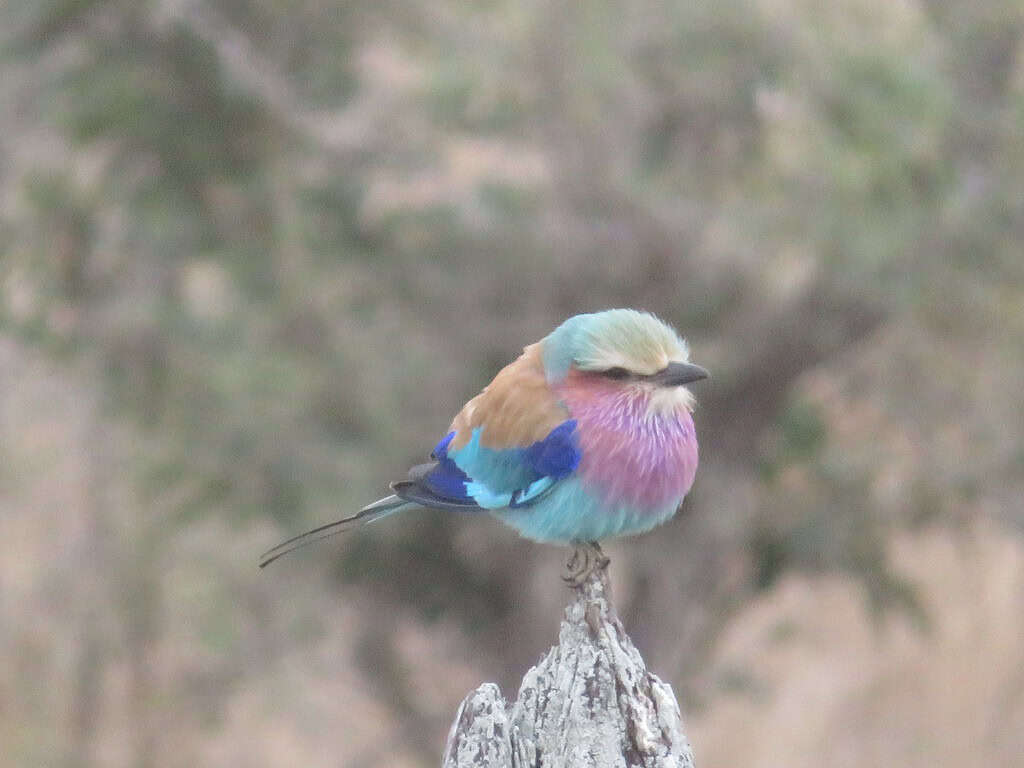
<point x="638" y="458"/>
<point x="623" y="486"/>
<point x="571" y="513"/>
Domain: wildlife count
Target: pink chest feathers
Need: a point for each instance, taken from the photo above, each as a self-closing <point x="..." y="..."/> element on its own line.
<point x="634" y="454"/>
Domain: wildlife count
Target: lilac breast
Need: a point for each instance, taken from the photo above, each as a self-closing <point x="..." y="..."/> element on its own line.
<point x="632" y="457"/>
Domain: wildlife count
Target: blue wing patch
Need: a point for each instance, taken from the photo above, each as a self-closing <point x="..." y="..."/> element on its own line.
<point x="558" y="454"/>
<point x="446" y="479"/>
<point x="479" y="477"/>
<point x="516" y="476"/>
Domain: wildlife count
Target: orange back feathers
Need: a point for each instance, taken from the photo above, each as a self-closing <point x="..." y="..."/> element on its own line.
<point x="515" y="410"/>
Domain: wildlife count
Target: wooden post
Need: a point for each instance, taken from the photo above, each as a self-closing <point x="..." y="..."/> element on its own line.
<point x="589" y="703"/>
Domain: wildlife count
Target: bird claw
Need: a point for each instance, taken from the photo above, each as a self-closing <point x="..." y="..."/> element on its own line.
<point x="586" y="558"/>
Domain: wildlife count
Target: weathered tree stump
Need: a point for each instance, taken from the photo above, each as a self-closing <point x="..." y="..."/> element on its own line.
<point x="589" y="703"/>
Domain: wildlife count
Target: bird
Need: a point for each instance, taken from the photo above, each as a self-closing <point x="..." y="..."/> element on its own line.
<point x="587" y="435"/>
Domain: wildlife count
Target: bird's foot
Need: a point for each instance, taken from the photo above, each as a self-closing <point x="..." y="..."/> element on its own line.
<point x="585" y="559"/>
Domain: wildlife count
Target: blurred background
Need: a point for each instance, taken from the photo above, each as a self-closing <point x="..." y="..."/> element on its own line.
<point x="255" y="254"/>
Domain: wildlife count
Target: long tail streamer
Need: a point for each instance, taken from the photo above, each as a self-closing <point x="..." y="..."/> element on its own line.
<point x="377" y="510"/>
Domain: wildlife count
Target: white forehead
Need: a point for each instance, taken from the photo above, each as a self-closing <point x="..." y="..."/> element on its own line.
<point x="625" y="338"/>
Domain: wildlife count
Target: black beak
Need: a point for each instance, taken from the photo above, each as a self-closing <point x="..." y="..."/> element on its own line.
<point x="677" y="374"/>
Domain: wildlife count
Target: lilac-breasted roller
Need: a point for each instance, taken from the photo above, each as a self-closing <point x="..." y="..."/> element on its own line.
<point x="588" y="435"/>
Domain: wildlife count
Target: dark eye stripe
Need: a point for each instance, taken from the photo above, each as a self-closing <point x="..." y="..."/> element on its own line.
<point x="616" y="373"/>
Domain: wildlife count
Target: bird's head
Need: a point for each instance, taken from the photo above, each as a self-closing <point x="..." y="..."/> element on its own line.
<point x="623" y="350"/>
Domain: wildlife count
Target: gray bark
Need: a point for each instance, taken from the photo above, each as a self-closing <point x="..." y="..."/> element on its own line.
<point x="589" y="703"/>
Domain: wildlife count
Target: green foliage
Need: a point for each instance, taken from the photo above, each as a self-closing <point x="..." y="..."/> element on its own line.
<point x="801" y="436"/>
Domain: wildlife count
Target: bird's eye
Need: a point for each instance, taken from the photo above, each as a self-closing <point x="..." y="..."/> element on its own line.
<point x="616" y="373"/>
